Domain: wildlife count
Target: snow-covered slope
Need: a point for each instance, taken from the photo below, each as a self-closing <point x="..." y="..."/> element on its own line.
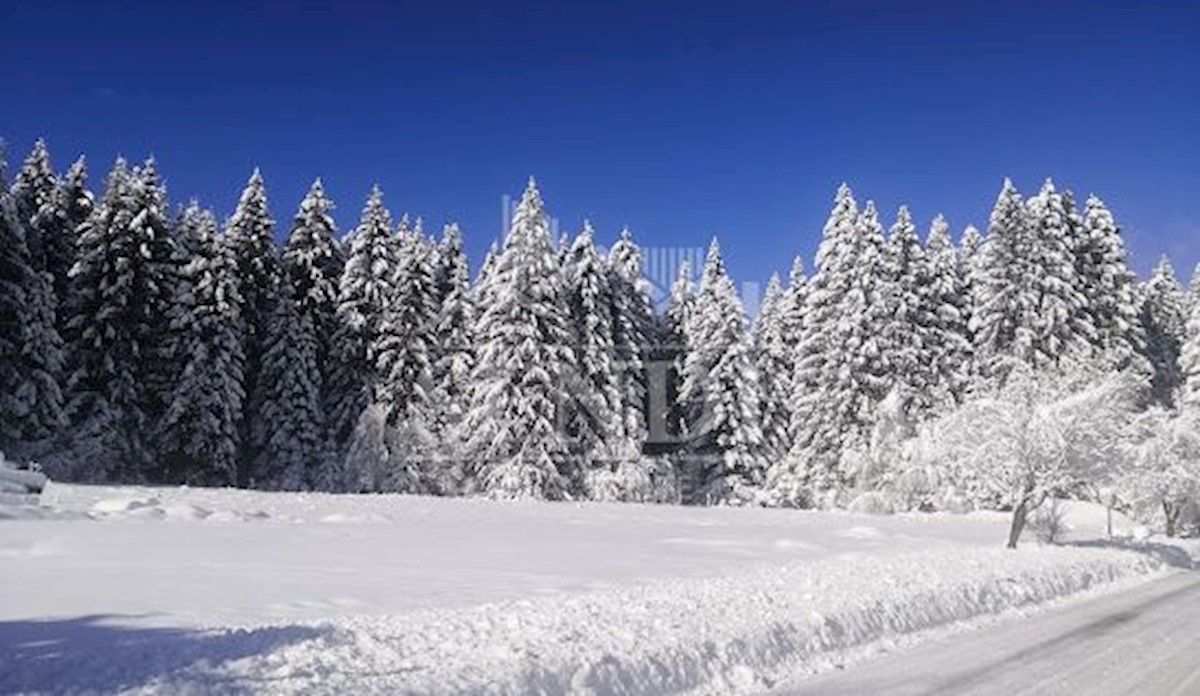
<point x="210" y="590"/>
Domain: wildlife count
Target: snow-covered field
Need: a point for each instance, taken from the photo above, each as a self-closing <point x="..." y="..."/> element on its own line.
<point x="176" y="590"/>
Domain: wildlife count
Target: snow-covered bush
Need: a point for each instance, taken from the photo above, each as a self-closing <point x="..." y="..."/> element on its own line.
<point x="634" y="479"/>
<point x="1162" y="472"/>
<point x="1037" y="433"/>
<point x="1048" y="522"/>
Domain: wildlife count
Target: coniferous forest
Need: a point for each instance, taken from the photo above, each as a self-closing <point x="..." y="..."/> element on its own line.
<point x="907" y="367"/>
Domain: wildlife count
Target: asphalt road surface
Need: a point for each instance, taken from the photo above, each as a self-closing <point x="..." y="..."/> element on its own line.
<point x="1144" y="641"/>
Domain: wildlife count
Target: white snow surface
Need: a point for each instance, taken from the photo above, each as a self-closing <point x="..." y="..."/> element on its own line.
<point x="176" y="590"/>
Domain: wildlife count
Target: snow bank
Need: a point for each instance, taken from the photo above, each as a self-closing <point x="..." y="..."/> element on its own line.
<point x="736" y="634"/>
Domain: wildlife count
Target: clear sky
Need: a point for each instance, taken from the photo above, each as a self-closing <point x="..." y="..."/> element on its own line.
<point x="682" y="120"/>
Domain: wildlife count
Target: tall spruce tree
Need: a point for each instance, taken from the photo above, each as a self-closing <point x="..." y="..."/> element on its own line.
<point x="1189" y="362"/>
<point x="288" y="433"/>
<point x="312" y="266"/>
<point x="524" y="374"/>
<point x="123" y="284"/>
<point x="199" y="434"/>
<point x="632" y="327"/>
<point x="774" y="366"/>
<point x="454" y="355"/>
<point x="676" y="343"/>
<point x="721" y="383"/>
<point x="1109" y="288"/>
<point x="1164" y="318"/>
<point x="364" y="292"/>
<point x="31" y="360"/>
<point x="33" y="191"/>
<point x="250" y="234"/>
<point x="951" y="307"/>
<point x="404" y="351"/>
<point x="593" y="417"/>
<point x="910" y="335"/>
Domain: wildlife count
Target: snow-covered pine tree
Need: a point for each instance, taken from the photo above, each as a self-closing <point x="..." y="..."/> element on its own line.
<point x="721" y="384"/>
<point x="1109" y="288"/>
<point x="404" y="351"/>
<point x="1164" y="318"/>
<point x="525" y="370"/>
<point x="75" y="203"/>
<point x="910" y="335"/>
<point x="593" y="416"/>
<point x="1026" y="305"/>
<point x="364" y="291"/>
<point x="200" y="435"/>
<point x="1065" y="327"/>
<point x="951" y="307"/>
<point x="632" y="326"/>
<point x="454" y="356"/>
<point x="675" y="347"/>
<point x="312" y="266"/>
<point x="33" y="191"/>
<point x="774" y="365"/>
<point x="791" y="312"/>
<point x="123" y="284"/>
<point x="250" y="234"/>
<point x="1189" y="363"/>
<point x="31" y="360"/>
<point x="288" y="433"/>
<point x="819" y="423"/>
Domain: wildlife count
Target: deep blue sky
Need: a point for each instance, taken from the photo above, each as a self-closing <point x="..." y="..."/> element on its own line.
<point x="682" y="120"/>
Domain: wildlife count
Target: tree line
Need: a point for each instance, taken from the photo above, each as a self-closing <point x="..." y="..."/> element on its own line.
<point x="145" y="344"/>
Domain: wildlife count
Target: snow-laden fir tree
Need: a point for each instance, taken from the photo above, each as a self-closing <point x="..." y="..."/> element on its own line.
<point x="288" y="433"/>
<point x="1109" y="288"/>
<point x="312" y="267"/>
<point x="525" y="366"/>
<point x="593" y="417"/>
<point x="199" y="438"/>
<point x="675" y="344"/>
<point x="364" y="291"/>
<point x="773" y="364"/>
<point x="810" y="469"/>
<point x="454" y="355"/>
<point x="632" y="327"/>
<point x="910" y="330"/>
<point x="119" y="333"/>
<point x="840" y="371"/>
<point x="75" y="203"/>
<point x="722" y="386"/>
<point x="1189" y="362"/>
<point x="31" y="360"/>
<point x="1026" y="302"/>
<point x="33" y="191"/>
<point x="404" y="351"/>
<point x="250" y="234"/>
<point x="951" y="344"/>
<point x="970" y="247"/>
<point x="1164" y="319"/>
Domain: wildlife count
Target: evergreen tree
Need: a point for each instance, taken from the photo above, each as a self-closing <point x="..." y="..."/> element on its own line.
<point x="34" y="191"/>
<point x="123" y="284"/>
<point x="524" y="373"/>
<point x="454" y="355"/>
<point x="1109" y="288"/>
<point x="774" y="367"/>
<point x="593" y="417"/>
<point x="31" y="360"/>
<point x="364" y="291"/>
<point x="1189" y="363"/>
<point x="1027" y="304"/>
<point x="199" y="432"/>
<point x="910" y="334"/>
<point x="721" y="383"/>
<point x="632" y="326"/>
<point x="288" y="432"/>
<point x="75" y="204"/>
<point x="1164" y="319"/>
<point x="250" y="234"/>
<point x="404" y="351"/>
<point x="312" y="266"/>
<point x="951" y="309"/>
<point x="676" y="345"/>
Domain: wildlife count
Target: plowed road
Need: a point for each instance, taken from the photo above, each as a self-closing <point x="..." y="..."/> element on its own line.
<point x="1145" y="641"/>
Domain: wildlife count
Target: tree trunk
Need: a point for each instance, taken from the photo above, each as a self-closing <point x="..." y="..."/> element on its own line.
<point x="1020" y="512"/>
<point x="1171" y="513"/>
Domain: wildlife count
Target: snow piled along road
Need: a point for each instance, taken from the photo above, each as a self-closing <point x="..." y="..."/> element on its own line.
<point x="178" y="590"/>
